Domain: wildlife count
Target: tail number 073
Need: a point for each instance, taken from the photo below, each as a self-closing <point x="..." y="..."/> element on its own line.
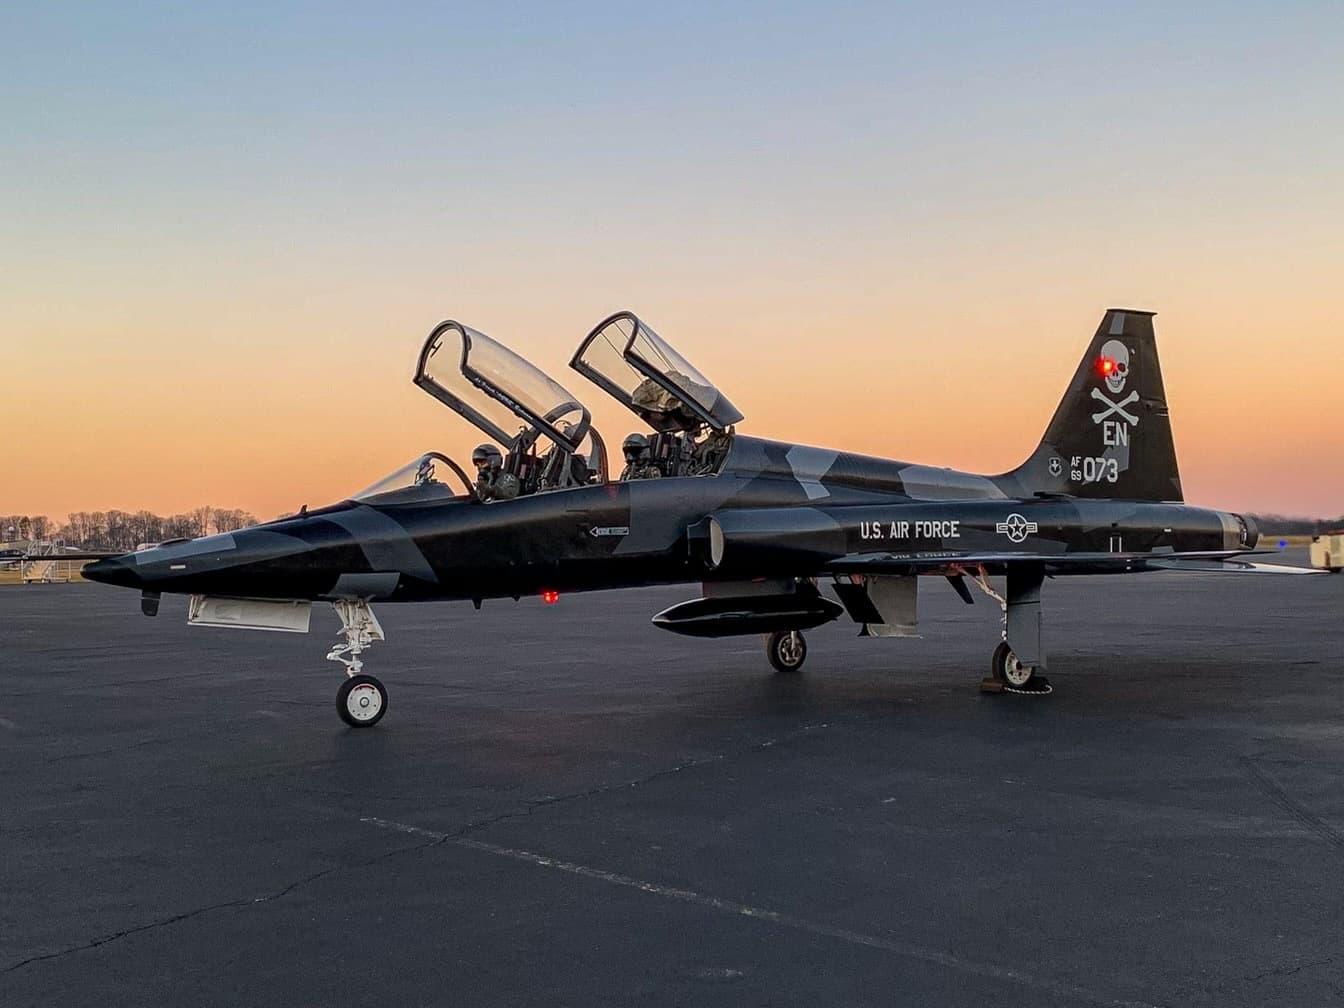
<point x="1094" y="470"/>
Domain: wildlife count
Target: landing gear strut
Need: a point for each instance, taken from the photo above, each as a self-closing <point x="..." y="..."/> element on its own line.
<point x="362" y="700"/>
<point x="787" y="650"/>
<point x="1009" y="671"/>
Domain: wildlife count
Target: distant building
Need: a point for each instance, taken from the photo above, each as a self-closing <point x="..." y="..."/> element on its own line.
<point x="1327" y="551"/>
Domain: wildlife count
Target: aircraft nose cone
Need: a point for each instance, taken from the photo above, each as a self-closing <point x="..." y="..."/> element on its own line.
<point x="113" y="571"/>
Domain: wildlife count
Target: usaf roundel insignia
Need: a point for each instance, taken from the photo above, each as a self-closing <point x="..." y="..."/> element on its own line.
<point x="1016" y="528"/>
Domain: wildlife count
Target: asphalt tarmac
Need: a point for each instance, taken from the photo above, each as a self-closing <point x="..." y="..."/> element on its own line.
<point x="566" y="806"/>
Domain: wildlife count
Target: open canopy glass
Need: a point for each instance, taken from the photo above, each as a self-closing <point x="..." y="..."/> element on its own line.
<point x="496" y="390"/>
<point x="640" y="369"/>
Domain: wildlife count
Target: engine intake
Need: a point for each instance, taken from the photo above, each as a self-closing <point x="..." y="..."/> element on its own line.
<point x="767" y="541"/>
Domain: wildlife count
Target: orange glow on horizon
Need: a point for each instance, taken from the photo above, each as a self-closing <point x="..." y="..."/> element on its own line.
<point x="294" y="418"/>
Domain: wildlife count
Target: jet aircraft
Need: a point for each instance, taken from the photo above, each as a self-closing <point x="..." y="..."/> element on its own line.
<point x="763" y="526"/>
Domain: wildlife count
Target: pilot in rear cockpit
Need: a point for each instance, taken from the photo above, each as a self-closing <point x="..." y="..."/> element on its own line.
<point x="639" y="462"/>
<point x="492" y="483"/>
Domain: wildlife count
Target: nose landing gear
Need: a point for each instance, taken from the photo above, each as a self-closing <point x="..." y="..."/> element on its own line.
<point x="787" y="650"/>
<point x="362" y="699"/>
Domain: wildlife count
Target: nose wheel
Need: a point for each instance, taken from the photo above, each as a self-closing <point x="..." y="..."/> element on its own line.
<point x="787" y="650"/>
<point x="361" y="701"/>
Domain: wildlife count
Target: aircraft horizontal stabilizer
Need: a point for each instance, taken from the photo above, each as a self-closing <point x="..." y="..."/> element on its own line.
<point x="1194" y="565"/>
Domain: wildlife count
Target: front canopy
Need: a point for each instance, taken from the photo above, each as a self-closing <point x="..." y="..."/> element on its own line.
<point x="642" y="370"/>
<point x="432" y="476"/>
<point x="497" y="391"/>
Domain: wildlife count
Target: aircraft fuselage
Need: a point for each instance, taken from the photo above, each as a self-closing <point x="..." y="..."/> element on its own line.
<point x="807" y="507"/>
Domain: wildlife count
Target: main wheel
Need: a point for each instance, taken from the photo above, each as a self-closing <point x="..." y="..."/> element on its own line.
<point x="1007" y="668"/>
<point x="787" y="650"/>
<point x="361" y="701"/>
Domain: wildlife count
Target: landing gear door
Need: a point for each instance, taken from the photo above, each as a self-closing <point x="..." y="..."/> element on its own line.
<point x="887" y="606"/>
<point x="641" y="370"/>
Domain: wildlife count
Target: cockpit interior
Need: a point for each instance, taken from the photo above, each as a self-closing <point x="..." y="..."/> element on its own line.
<point x="540" y="436"/>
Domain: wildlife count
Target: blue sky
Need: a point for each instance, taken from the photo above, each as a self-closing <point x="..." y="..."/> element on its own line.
<point x="905" y="185"/>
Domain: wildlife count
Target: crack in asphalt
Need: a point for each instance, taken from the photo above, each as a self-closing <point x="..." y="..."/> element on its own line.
<point x="1289" y="971"/>
<point x="1280" y="796"/>
<point x="118" y="684"/>
<point x="228" y="904"/>
<point x="885" y="943"/>
<point x="108" y="752"/>
<point x="435" y="840"/>
<point x="532" y="805"/>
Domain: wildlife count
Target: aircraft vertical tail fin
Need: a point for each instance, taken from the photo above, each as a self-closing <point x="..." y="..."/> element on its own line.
<point x="1111" y="435"/>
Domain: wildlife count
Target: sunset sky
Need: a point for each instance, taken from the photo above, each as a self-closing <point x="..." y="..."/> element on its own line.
<point x="225" y="229"/>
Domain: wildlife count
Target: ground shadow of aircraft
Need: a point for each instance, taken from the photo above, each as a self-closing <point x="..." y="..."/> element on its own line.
<point x="762" y="525"/>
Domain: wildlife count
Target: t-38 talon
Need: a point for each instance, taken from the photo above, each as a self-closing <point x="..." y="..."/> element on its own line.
<point x="763" y="525"/>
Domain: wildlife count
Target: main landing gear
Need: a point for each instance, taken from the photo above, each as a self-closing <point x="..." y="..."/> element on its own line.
<point x="787" y="650"/>
<point x="362" y="700"/>
<point x="1009" y="670"/>
<point x="1008" y="674"/>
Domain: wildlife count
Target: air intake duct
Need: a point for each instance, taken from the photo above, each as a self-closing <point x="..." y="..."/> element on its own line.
<point x="767" y="541"/>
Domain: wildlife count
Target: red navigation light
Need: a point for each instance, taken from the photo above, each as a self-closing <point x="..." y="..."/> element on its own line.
<point x="1105" y="366"/>
<point x="550" y="596"/>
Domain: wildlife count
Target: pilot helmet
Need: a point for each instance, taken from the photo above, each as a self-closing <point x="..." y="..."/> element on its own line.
<point x="487" y="455"/>
<point x="636" y="448"/>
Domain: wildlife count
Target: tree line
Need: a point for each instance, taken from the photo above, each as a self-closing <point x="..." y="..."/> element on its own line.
<point x="1275" y="524"/>
<point x="122" y="530"/>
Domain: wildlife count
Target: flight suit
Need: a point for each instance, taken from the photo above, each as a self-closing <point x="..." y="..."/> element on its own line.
<point x="641" y="470"/>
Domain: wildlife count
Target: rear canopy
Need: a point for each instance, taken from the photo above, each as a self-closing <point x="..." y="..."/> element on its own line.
<point x="642" y="371"/>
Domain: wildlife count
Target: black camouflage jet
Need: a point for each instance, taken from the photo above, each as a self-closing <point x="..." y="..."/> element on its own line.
<point x="762" y="525"/>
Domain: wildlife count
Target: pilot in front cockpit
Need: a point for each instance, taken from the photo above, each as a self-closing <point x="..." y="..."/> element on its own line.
<point x="492" y="483"/>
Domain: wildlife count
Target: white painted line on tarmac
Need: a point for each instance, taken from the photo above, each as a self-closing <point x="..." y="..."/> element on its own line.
<point x="899" y="948"/>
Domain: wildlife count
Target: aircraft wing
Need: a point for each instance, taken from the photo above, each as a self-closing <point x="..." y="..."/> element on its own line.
<point x="952" y="562"/>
